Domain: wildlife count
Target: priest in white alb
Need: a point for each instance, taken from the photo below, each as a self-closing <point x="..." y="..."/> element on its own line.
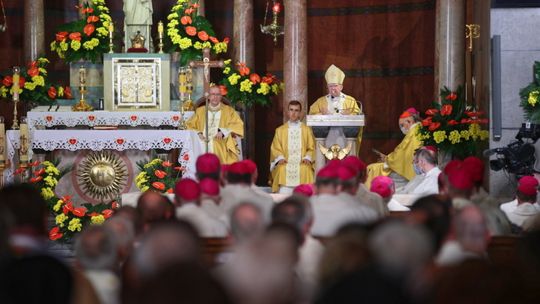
<point x="224" y="125"/>
<point x="292" y="152"/>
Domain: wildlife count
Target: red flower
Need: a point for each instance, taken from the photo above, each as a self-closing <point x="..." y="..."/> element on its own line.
<point x="166" y="164"/>
<point x="87" y="10"/>
<point x="226" y="40"/>
<point x="75" y="36"/>
<point x="158" y="185"/>
<point x="432" y="111"/>
<point x="213" y="39"/>
<point x="92" y="214"/>
<point x="55" y="234"/>
<point x="36" y="179"/>
<point x="115" y="205"/>
<point x="7" y="81"/>
<point x="67" y="93"/>
<point x="52" y="92"/>
<point x="190" y="30"/>
<point x="170" y="190"/>
<point x="34" y="71"/>
<point x="92" y="19"/>
<point x="20" y="170"/>
<point x="243" y="69"/>
<point x="189" y="11"/>
<point x="66" y="198"/>
<point x="178" y="169"/>
<point x="79" y="212"/>
<point x="223" y="90"/>
<point x="434" y="126"/>
<point x="465" y="121"/>
<point x="452" y="96"/>
<point x="67" y="208"/>
<point x="61" y="36"/>
<point x="160" y="174"/>
<point x="186" y="157"/>
<point x="268" y="79"/>
<point x="185" y="20"/>
<point x="34" y="164"/>
<point x="107" y="213"/>
<point x="89" y="29"/>
<point x="453" y="123"/>
<point x="426" y="122"/>
<point x="203" y="35"/>
<point x="254" y="78"/>
<point x="39" y="172"/>
<point x="22" y="81"/>
<point x="446" y="110"/>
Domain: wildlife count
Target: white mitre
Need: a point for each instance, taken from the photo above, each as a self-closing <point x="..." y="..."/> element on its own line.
<point x="334" y="75"/>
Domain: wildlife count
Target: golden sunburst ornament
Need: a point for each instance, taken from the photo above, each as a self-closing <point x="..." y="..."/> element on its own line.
<point x="102" y="175"/>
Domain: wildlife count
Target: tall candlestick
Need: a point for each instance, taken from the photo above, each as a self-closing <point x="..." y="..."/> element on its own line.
<point x="160" y="36"/>
<point x="111" y="31"/>
<point x="24" y="135"/>
<point x="82" y="76"/>
<point x="15" y="88"/>
<point x="82" y="105"/>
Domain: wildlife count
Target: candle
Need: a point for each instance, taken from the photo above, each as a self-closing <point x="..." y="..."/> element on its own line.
<point x="23" y="156"/>
<point x="82" y="76"/>
<point x="276" y="8"/>
<point x="2" y="139"/>
<point x="16" y="78"/>
<point x="111" y="30"/>
<point x="160" y="29"/>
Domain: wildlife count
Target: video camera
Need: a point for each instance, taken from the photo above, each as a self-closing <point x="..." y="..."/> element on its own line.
<point x="518" y="157"/>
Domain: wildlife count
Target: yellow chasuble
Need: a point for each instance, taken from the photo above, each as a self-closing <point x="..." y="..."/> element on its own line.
<point x="281" y="175"/>
<point x="348" y="103"/>
<point x="400" y="160"/>
<point x="228" y="121"/>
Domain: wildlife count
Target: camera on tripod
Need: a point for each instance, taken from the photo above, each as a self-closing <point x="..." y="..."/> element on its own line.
<point x="518" y="157"/>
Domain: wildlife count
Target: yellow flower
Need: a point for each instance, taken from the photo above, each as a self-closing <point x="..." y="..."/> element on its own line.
<point x="264" y="89"/>
<point x="172" y="16"/>
<point x="145" y="188"/>
<point x="102" y="31"/>
<point x="53" y="46"/>
<point x="465" y="134"/>
<point x="227" y="62"/>
<point x="57" y="207"/>
<point x="97" y="220"/>
<point x="454" y="137"/>
<point x="474" y="131"/>
<point x="206" y="44"/>
<point x="173" y="23"/>
<point x="3" y="91"/>
<point x="47" y="193"/>
<point x="75" y="225"/>
<point x="63" y="46"/>
<point x="43" y="71"/>
<point x="60" y="219"/>
<point x="43" y="60"/>
<point x="140" y="176"/>
<point x="275" y="88"/>
<point x="439" y="136"/>
<point x="60" y="91"/>
<point x="198" y="45"/>
<point x="220" y="47"/>
<point x="227" y="70"/>
<point x="29" y="86"/>
<point x="233" y="79"/>
<point x="484" y="134"/>
<point x="185" y="43"/>
<point x="533" y="98"/>
<point x="47" y="163"/>
<point x="245" y="86"/>
<point x="50" y="181"/>
<point x="38" y="80"/>
<point x="52" y="170"/>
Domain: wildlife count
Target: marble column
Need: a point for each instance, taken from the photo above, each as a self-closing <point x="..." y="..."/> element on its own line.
<point x="34" y="29"/>
<point x="202" y="11"/>
<point x="243" y="32"/>
<point x="295" y="54"/>
<point x="482" y="54"/>
<point x="449" y="45"/>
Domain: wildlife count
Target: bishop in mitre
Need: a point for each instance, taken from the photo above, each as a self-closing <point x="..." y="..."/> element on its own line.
<point x="398" y="165"/>
<point x="335" y="103"/>
<point x="292" y="152"/>
<point x="224" y="126"/>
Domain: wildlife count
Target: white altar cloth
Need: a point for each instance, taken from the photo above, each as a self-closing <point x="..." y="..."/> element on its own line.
<point x="119" y="140"/>
<point x="37" y="120"/>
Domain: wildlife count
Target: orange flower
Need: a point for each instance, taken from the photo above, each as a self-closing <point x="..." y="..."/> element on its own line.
<point x="79" y="212"/>
<point x="34" y="164"/>
<point x="36" y="179"/>
<point x="223" y="90"/>
<point x="52" y="92"/>
<point x="55" y="234"/>
<point x="213" y="39"/>
<point x="446" y="110"/>
<point x="426" y="122"/>
<point x="66" y="198"/>
<point x="7" y="81"/>
<point x="61" y="36"/>
<point x="434" y="126"/>
<point x="67" y="93"/>
<point x="19" y="171"/>
<point x="166" y="164"/>
<point x="465" y="121"/>
<point x="34" y="71"/>
<point x="107" y="213"/>
<point x="75" y="36"/>
<point x="158" y="185"/>
<point x="92" y="214"/>
<point x="243" y="69"/>
<point x="87" y="10"/>
<point x="452" y="96"/>
<point x="185" y="20"/>
<point x="189" y="11"/>
<point x="89" y="29"/>
<point x="22" y="81"/>
<point x="67" y="208"/>
<point x="254" y="78"/>
<point x="195" y="5"/>
<point x="432" y="111"/>
<point x="160" y="174"/>
<point x="170" y="190"/>
<point x="453" y="123"/>
<point x="178" y="169"/>
<point x="226" y="40"/>
<point x="203" y="35"/>
<point x="115" y="205"/>
<point x="92" y="19"/>
<point x="190" y="30"/>
<point x="39" y="172"/>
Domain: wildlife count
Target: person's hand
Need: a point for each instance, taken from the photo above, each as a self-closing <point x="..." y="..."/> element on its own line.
<point x="324" y="111"/>
<point x="282" y="162"/>
<point x="219" y="135"/>
<point x="306" y="161"/>
<point x="201" y="136"/>
<point x="346" y="112"/>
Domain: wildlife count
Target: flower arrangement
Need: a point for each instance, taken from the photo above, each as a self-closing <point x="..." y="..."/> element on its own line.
<point x="34" y="85"/>
<point x="69" y="219"/>
<point x="452" y="126"/>
<point x="189" y="33"/>
<point x="530" y="97"/>
<point x="158" y="175"/>
<point x="242" y="86"/>
<point x="87" y="38"/>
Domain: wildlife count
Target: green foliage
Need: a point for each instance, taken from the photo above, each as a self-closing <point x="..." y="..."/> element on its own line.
<point x="530" y="95"/>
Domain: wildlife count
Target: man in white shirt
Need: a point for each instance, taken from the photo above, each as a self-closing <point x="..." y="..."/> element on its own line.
<point x="187" y="200"/>
<point x="526" y="194"/>
<point x="427" y="173"/>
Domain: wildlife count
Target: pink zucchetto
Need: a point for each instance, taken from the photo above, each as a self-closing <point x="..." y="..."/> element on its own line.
<point x="383" y="186"/>
<point x="187" y="189"/>
<point x="209" y="187"/>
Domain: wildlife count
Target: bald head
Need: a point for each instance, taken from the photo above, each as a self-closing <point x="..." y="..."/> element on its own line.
<point x="471" y="229"/>
<point x="246" y="221"/>
<point x="96" y="249"/>
<point x="154" y="207"/>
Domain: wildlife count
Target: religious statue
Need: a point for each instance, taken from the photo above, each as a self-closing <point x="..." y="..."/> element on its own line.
<point x="138" y="19"/>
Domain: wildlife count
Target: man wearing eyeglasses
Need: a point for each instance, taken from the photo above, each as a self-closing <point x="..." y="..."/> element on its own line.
<point x="224" y="125"/>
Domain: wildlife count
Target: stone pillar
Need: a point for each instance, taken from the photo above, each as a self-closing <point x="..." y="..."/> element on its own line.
<point x="295" y="54"/>
<point x="34" y="29"/>
<point x="449" y="45"/>
<point x="202" y="11"/>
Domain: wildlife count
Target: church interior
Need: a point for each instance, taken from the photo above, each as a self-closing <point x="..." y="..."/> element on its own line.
<point x="269" y="151"/>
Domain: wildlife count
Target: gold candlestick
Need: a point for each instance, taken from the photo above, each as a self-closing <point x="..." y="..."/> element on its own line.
<point x="160" y="36"/>
<point x="111" y="31"/>
<point x="82" y="105"/>
<point x="15" y="88"/>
